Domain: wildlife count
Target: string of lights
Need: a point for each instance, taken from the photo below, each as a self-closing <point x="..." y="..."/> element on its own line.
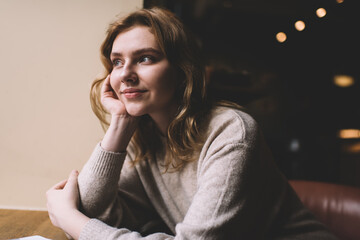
<point x="300" y="25"/>
<point x="339" y="80"/>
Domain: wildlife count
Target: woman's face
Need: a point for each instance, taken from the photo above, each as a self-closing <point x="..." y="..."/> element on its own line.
<point x="142" y="76"/>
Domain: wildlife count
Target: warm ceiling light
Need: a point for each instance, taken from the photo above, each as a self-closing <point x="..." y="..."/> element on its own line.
<point x="343" y="80"/>
<point x="349" y="133"/>
<point x="339" y="1"/>
<point x="300" y="25"/>
<point x="321" y="12"/>
<point x="281" y="37"/>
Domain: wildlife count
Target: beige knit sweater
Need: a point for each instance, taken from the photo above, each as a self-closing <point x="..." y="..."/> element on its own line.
<point x="233" y="191"/>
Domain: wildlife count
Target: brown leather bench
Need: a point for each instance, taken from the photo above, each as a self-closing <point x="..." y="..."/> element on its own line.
<point x="337" y="206"/>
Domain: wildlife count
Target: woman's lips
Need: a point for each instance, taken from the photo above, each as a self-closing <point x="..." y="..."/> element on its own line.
<point x="133" y="92"/>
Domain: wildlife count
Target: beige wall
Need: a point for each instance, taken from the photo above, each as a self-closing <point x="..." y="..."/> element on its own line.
<point x="49" y="55"/>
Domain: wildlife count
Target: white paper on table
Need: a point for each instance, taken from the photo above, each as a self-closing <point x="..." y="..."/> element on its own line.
<point x="35" y="237"/>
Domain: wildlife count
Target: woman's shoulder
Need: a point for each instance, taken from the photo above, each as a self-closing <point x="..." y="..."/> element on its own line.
<point x="231" y="122"/>
<point x="232" y="115"/>
<point x="235" y="112"/>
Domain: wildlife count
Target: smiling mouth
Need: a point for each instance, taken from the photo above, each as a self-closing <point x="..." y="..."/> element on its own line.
<point x="133" y="93"/>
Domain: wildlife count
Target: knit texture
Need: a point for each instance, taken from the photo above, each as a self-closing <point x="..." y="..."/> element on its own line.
<point x="233" y="191"/>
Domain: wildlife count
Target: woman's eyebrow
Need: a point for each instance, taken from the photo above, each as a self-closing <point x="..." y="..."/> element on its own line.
<point x="138" y="52"/>
<point x="147" y="50"/>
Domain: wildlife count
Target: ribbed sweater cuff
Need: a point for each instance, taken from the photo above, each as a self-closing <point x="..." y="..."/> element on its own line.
<point x="94" y="229"/>
<point x="106" y="163"/>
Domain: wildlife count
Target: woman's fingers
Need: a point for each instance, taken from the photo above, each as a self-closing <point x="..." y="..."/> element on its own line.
<point x="72" y="180"/>
<point x="106" y="90"/>
<point x="105" y="85"/>
<point x="59" y="185"/>
<point x="110" y="100"/>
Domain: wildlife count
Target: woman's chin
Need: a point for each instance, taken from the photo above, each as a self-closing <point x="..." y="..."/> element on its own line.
<point x="135" y="112"/>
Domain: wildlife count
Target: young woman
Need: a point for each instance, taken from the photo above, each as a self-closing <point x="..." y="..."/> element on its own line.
<point x="172" y="163"/>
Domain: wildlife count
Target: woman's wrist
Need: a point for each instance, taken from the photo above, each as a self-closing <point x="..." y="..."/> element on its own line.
<point x="119" y="133"/>
<point x="74" y="223"/>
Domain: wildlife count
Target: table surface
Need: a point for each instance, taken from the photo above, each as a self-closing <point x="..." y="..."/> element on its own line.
<point x="24" y="223"/>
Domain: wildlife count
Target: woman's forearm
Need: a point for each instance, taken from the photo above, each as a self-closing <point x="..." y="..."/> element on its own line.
<point x="119" y="133"/>
<point x="74" y="223"/>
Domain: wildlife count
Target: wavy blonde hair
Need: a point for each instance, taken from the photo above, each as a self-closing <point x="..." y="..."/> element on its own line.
<point x="180" y="48"/>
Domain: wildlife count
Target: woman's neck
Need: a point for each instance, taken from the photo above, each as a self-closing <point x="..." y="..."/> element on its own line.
<point x="163" y="119"/>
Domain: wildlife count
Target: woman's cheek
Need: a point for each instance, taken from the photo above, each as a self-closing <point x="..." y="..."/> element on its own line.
<point x="115" y="81"/>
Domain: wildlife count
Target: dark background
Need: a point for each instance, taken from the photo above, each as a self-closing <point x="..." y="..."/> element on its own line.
<point x="288" y="87"/>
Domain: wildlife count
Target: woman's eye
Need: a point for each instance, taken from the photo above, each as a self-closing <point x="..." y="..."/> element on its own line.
<point x="146" y="59"/>
<point x="116" y="62"/>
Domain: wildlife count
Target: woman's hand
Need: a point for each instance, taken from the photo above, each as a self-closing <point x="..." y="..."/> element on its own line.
<point x="122" y="125"/>
<point x="62" y="204"/>
<point x="110" y="100"/>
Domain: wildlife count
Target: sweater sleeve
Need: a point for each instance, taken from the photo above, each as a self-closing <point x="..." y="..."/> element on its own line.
<point x="112" y="195"/>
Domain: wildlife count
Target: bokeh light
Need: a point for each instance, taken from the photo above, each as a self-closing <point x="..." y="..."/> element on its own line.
<point x="349" y="133"/>
<point x="281" y="37"/>
<point x="343" y="80"/>
<point x="321" y="12"/>
<point x="299" y="25"/>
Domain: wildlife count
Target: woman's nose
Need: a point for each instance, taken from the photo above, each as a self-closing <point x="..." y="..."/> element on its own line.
<point x="128" y="74"/>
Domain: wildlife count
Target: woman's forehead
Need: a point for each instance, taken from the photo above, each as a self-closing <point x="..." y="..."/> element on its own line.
<point x="135" y="38"/>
